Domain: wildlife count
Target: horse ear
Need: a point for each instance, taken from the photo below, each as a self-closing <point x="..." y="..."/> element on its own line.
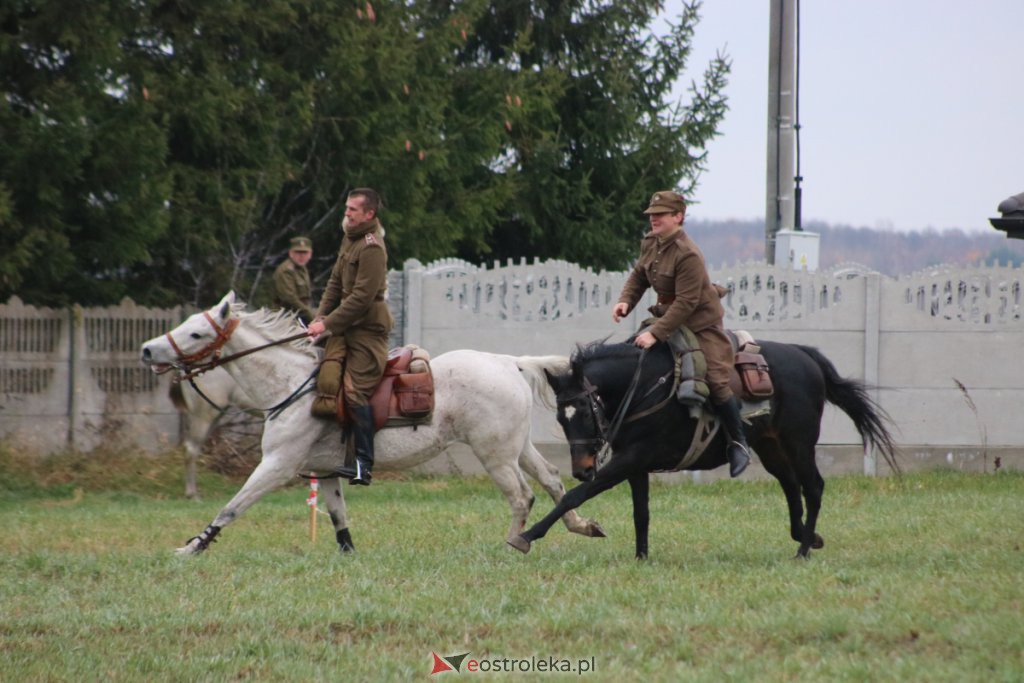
<point x="555" y="380"/>
<point x="224" y="306"/>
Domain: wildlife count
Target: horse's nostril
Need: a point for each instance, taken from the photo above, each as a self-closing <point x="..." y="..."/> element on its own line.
<point x="146" y="355"/>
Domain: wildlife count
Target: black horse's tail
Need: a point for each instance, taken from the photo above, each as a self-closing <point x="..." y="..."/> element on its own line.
<point x="852" y="398"/>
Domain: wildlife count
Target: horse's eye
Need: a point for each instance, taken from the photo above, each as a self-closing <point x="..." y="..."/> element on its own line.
<point x="196" y="335"/>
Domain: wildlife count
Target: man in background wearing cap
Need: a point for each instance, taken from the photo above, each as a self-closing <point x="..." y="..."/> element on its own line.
<point x="674" y="266"/>
<point x="293" y="290"/>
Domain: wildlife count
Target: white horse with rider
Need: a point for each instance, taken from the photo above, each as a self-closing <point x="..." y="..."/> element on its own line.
<point x="483" y="400"/>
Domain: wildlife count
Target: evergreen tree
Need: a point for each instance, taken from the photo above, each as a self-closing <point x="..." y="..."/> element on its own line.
<point x="167" y="149"/>
<point x="82" y="179"/>
<point x="587" y="159"/>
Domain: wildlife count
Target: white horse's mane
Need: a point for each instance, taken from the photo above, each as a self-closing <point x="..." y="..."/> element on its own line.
<point x="277" y="324"/>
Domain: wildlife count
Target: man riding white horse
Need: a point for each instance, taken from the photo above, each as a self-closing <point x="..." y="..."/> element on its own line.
<point x="354" y="309"/>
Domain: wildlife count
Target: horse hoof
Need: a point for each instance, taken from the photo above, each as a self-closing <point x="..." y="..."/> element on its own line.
<point x="819" y="542"/>
<point x="595" y="531"/>
<point x="520" y="544"/>
<point x="188" y="549"/>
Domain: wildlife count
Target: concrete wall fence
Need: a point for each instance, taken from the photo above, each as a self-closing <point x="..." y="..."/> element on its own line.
<point x="942" y="347"/>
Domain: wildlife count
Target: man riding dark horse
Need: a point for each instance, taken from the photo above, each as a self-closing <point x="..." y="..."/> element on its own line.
<point x="672" y="264"/>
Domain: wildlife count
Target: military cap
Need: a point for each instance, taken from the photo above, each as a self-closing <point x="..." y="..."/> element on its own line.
<point x="666" y="201"/>
<point x="302" y="244"/>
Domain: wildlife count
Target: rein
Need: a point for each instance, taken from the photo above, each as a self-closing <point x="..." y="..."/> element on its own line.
<point x="274" y="410"/>
<point x="218" y="361"/>
<point x="676" y="379"/>
<point x="620" y="414"/>
<point x="607" y="433"/>
<point x="190" y="372"/>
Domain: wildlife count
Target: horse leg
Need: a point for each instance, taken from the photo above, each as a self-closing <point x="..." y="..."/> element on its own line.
<point x="813" y="488"/>
<point x="509" y="478"/>
<point x="640" y="485"/>
<point x="575" y="497"/>
<point x="191" y="462"/>
<point x="334" y="499"/>
<point x="267" y="476"/>
<point x="547" y="475"/>
<point x="199" y="421"/>
<point x="776" y="464"/>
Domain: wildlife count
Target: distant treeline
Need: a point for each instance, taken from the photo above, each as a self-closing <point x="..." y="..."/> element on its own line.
<point x="889" y="252"/>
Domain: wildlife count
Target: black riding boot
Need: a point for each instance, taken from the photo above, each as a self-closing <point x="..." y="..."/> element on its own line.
<point x="738" y="451"/>
<point x="362" y="432"/>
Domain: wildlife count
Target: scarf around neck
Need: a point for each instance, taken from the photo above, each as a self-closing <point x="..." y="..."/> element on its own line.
<point x="359" y="229"/>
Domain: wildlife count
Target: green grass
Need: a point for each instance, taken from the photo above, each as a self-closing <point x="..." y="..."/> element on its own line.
<point x="920" y="579"/>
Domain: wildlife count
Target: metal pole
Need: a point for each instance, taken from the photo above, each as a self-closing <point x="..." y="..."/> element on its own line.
<point x="781" y="171"/>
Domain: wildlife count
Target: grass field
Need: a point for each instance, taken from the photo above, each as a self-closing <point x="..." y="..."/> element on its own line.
<point x="920" y="580"/>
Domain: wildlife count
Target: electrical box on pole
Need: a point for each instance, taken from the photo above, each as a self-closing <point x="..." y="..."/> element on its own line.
<point x="797" y="249"/>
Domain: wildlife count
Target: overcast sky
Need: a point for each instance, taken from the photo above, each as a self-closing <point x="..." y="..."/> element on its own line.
<point x="912" y="111"/>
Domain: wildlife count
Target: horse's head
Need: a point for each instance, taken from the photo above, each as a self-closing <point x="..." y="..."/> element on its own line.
<point x="581" y="413"/>
<point x="200" y="337"/>
<point x="589" y="398"/>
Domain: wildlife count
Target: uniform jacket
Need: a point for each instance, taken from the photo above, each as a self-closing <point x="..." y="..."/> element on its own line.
<point x="674" y="266"/>
<point x="293" y="289"/>
<point x="354" y="297"/>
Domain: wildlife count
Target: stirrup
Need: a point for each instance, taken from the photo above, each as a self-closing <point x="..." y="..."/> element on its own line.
<point x="361" y="477"/>
<point x="340" y="472"/>
<point x="345" y="471"/>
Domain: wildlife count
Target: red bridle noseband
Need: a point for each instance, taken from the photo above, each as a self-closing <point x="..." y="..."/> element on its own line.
<point x="213" y="348"/>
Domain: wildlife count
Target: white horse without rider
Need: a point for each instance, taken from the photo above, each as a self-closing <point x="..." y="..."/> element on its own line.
<point x="224" y="399"/>
<point x="481" y="399"/>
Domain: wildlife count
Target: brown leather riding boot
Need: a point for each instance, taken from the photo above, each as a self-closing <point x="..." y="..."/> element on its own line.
<point x="738" y="452"/>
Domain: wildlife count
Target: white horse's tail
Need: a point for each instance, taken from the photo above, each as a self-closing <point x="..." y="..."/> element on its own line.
<point x="533" y="367"/>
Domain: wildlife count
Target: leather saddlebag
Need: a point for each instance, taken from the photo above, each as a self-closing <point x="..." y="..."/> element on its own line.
<point x="753" y="372"/>
<point x="328" y="382"/>
<point x="415" y="394"/>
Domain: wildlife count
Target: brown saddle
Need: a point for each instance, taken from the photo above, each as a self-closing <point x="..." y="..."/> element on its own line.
<point x="405" y="395"/>
<point x="749" y="377"/>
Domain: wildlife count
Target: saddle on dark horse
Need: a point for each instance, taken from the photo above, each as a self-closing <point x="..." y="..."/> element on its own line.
<point x="749" y="378"/>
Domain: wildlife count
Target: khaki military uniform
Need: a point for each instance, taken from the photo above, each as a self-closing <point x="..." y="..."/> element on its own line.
<point x="355" y="312"/>
<point x="293" y="290"/>
<point x="674" y="266"/>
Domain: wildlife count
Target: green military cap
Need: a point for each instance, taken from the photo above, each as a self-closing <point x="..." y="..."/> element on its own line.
<point x="302" y="244"/>
<point x="666" y="201"/>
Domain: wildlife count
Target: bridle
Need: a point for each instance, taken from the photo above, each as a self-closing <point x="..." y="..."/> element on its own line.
<point x="608" y="431"/>
<point x="189" y="368"/>
<point x="597" y="412"/>
<point x="186" y="363"/>
<point x="212" y="349"/>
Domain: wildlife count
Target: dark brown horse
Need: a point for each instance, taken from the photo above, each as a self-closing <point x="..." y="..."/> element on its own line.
<point x="650" y="438"/>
